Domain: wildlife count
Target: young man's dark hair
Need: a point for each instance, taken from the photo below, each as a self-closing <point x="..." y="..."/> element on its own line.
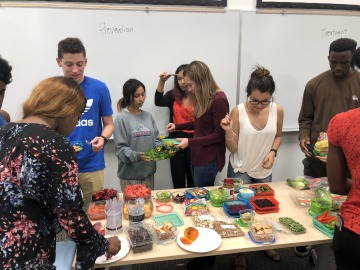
<point x="70" y="45"/>
<point x="5" y="71"/>
<point x="342" y="45"/>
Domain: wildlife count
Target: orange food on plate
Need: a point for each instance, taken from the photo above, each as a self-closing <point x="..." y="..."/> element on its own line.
<point x="185" y="241"/>
<point x="191" y="233"/>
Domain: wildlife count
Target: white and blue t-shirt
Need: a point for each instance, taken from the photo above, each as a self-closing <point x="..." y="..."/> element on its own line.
<point x="89" y="126"/>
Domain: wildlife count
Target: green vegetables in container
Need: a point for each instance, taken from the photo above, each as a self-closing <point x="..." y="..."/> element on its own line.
<point x="161" y="152"/>
<point x="294" y="226"/>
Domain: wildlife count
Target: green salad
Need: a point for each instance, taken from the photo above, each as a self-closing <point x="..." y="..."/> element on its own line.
<point x="161" y="152"/>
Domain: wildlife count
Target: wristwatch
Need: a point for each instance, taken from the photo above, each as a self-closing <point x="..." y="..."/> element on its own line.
<point x="106" y="139"/>
<point x="274" y="150"/>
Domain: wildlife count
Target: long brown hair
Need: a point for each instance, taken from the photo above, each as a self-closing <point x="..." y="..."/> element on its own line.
<point x="206" y="86"/>
<point x="55" y="97"/>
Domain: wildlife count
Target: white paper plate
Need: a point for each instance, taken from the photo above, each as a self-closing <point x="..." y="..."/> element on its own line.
<point x="208" y="240"/>
<point x="125" y="248"/>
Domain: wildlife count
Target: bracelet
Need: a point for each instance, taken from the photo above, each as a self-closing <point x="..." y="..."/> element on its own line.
<point x="274" y="150"/>
<point x="229" y="139"/>
<point x="105" y="139"/>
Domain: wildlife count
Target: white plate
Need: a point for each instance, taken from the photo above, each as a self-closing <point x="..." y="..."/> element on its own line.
<point x="208" y="240"/>
<point x="125" y="248"/>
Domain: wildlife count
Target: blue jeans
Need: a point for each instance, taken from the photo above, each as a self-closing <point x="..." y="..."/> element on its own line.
<point x="204" y="176"/>
<point x="247" y="179"/>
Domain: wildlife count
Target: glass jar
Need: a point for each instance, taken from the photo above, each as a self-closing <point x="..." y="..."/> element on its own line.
<point x="148" y="206"/>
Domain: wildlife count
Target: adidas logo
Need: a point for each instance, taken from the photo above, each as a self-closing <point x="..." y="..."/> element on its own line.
<point x="89" y="103"/>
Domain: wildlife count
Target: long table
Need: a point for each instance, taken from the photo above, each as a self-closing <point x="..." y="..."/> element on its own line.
<point x="238" y="244"/>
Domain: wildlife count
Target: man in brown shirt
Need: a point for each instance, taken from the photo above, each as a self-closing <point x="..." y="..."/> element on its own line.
<point x="332" y="92"/>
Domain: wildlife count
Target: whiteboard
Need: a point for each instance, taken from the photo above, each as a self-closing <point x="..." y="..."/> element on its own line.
<point x="120" y="45"/>
<point x="294" y="48"/>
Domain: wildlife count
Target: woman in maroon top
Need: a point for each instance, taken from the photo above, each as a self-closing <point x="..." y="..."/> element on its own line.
<point x="210" y="106"/>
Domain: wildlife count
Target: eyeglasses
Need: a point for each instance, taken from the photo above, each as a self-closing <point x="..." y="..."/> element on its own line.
<point x="264" y="102"/>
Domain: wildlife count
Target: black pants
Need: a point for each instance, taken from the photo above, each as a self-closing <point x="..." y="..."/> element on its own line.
<point x="346" y="246"/>
<point x="180" y="165"/>
<point x="314" y="167"/>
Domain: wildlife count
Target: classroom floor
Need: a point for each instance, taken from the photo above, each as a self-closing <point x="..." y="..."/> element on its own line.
<point x="255" y="261"/>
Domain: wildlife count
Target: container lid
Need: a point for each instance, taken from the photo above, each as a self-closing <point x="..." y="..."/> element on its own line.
<point x="262" y="190"/>
<point x="172" y="217"/>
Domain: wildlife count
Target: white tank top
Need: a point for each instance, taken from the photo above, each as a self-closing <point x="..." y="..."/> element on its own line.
<point x="254" y="145"/>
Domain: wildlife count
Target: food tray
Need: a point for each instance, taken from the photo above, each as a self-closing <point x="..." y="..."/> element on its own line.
<point x="264" y="210"/>
<point x="321" y="227"/>
<point x="203" y="193"/>
<point x="173" y="218"/>
<point x="237" y="205"/>
<point x="270" y="191"/>
<point x="301" y="198"/>
<point x="262" y="231"/>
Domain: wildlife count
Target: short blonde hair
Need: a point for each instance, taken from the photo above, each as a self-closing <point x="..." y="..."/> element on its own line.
<point x="55" y="97"/>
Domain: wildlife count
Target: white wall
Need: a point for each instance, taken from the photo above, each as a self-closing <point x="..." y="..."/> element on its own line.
<point x="288" y="161"/>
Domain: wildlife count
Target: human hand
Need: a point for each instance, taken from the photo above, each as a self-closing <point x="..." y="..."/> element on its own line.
<point x="97" y="144"/>
<point x="164" y="76"/>
<point x="323" y="159"/>
<point x="143" y="157"/>
<point x="184" y="142"/>
<point x="268" y="161"/>
<point x="226" y="122"/>
<point x="303" y="146"/>
<point x="114" y="246"/>
<point x="170" y="127"/>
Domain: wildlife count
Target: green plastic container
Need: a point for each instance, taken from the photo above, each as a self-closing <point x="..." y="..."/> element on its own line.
<point x="318" y="205"/>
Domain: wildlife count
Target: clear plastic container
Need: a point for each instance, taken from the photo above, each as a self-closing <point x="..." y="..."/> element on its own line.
<point x="178" y="196"/>
<point x="217" y="197"/>
<point x="262" y="231"/>
<point x="164" y="234"/>
<point x="139" y="238"/>
<point x="163" y="196"/>
<point x="96" y="210"/>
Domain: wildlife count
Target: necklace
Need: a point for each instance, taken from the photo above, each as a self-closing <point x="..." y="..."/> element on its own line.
<point x="256" y="127"/>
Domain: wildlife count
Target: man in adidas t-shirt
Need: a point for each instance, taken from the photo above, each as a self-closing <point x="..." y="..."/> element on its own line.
<point x="96" y="125"/>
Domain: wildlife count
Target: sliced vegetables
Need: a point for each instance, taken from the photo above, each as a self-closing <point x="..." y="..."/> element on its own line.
<point x="327" y="219"/>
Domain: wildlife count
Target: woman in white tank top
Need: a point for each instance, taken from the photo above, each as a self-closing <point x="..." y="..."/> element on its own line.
<point x="253" y="136"/>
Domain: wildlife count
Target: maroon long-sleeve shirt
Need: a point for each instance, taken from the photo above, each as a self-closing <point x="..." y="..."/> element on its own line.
<point x="208" y="142"/>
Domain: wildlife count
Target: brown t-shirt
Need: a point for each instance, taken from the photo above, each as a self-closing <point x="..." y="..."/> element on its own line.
<point x="324" y="97"/>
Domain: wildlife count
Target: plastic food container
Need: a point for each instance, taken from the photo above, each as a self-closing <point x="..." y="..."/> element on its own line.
<point x="301" y="198"/>
<point x="262" y="231"/>
<point x="264" y="205"/>
<point x="232" y="208"/>
<point x="262" y="190"/>
<point x="217" y="197"/>
<point x="237" y="183"/>
<point x="139" y="238"/>
<point x="197" y="193"/>
<point x="96" y="210"/>
<point x="163" y="196"/>
<point x="164" y="233"/>
<point x="245" y="193"/>
<point x="247" y="216"/>
<point x="321" y="227"/>
<point x="178" y="196"/>
<point x="173" y="218"/>
<point x="319" y="206"/>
